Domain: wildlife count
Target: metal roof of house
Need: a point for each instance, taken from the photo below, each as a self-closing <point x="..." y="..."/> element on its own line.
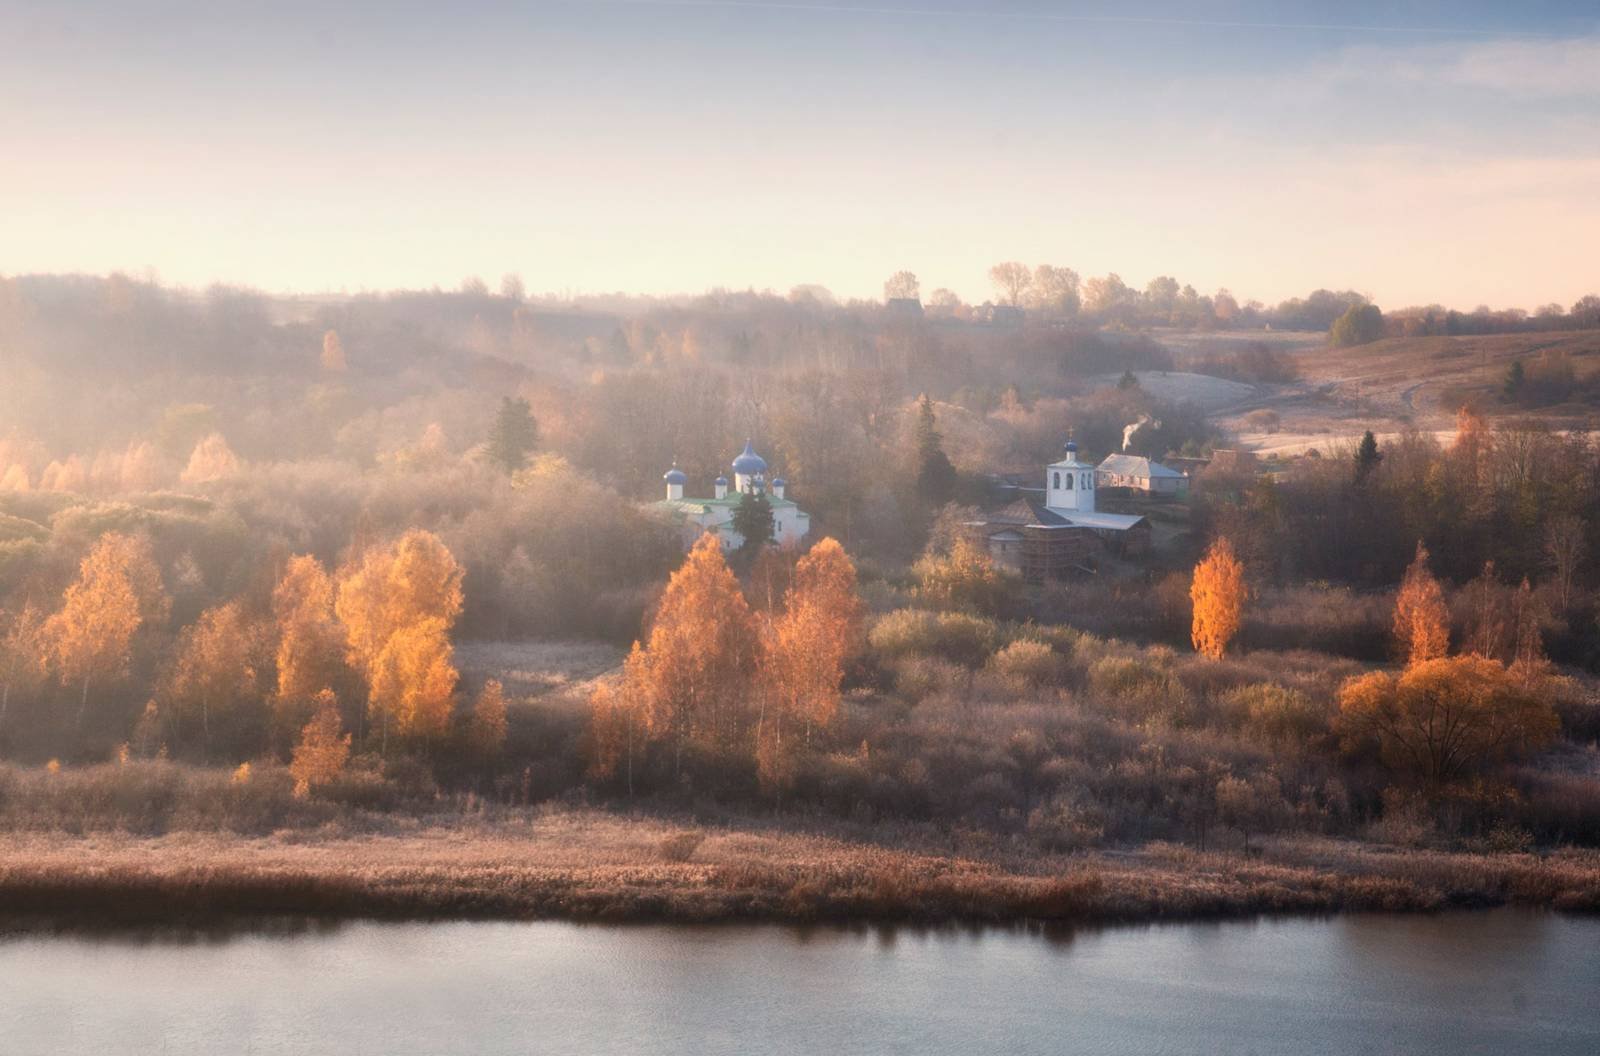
<point x="1136" y="466"/>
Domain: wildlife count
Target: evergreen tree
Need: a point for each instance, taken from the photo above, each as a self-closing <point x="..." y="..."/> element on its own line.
<point x="513" y="435"/>
<point x="1516" y="376"/>
<point x="1367" y="456"/>
<point x="752" y="518"/>
<point x="1129" y="380"/>
<point x="936" y="477"/>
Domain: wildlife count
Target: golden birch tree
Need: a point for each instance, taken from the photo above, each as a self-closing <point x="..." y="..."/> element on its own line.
<point x="22" y="656"/>
<point x="1218" y="593"/>
<point x="323" y="749"/>
<point x="310" y="642"/>
<point x="217" y="665"/>
<point x="118" y="589"/>
<point x="802" y="665"/>
<point x="212" y="459"/>
<point x="695" y="672"/>
<point x="396" y="605"/>
<point x="1421" y="619"/>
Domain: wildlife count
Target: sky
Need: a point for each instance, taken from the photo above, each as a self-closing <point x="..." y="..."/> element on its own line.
<point x="1434" y="152"/>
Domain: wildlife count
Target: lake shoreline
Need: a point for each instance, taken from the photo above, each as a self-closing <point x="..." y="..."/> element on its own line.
<point x="585" y="865"/>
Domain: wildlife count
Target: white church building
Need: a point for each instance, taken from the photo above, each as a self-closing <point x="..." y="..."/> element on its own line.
<point x="1069" y="493"/>
<point x="1054" y="531"/>
<point x="697" y="516"/>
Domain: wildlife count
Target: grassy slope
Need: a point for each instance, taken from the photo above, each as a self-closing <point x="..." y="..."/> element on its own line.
<point x="590" y="865"/>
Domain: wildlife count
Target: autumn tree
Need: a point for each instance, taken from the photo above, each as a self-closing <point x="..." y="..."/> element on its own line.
<point x="217" y="665"/>
<point x="1445" y="719"/>
<point x="118" y="590"/>
<point x="333" y="360"/>
<point x="963" y="578"/>
<point x="692" y="678"/>
<point x="412" y="681"/>
<point x="514" y="434"/>
<point x="397" y="604"/>
<point x="619" y="719"/>
<point x="323" y="749"/>
<point x="1218" y="593"/>
<point x="802" y="665"/>
<point x="486" y="733"/>
<point x="22" y="655"/>
<point x="212" y="459"/>
<point x="1421" y="620"/>
<point x="310" y="642"/>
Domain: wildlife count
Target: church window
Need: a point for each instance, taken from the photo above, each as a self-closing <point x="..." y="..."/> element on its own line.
<point x="1069" y="481"/>
<point x="1057" y="477"/>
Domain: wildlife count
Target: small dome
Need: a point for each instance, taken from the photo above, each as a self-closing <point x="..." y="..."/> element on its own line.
<point x="675" y="475"/>
<point x="1072" y="447"/>
<point x="778" y="482"/>
<point x="722" y="482"/>
<point x="749" y="463"/>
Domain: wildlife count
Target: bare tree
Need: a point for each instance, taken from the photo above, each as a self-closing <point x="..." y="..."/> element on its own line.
<point x="1012" y="279"/>
<point x="902" y="285"/>
<point x="1563" y="551"/>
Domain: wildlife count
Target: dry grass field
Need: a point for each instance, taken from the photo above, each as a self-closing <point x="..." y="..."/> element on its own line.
<point x="1405" y="383"/>
<point x="589" y="865"/>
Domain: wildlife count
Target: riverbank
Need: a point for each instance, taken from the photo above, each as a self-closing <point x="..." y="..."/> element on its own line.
<point x="590" y="865"/>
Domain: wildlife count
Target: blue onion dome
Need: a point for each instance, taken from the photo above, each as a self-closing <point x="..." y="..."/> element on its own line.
<point x="749" y="463"/>
<point x="1072" y="447"/>
<point x="722" y="482"/>
<point x="779" y="482"/>
<point x="674" y="475"/>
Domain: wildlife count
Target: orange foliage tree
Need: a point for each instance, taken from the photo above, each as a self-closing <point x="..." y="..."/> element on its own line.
<point x="802" y="665"/>
<point x="212" y="459"/>
<point x="22" y="655"/>
<point x="1445" y="719"/>
<point x="487" y="731"/>
<point x="619" y="718"/>
<point x="118" y="590"/>
<point x="1421" y="620"/>
<point x="322" y="752"/>
<point x="397" y="605"/>
<point x="332" y="352"/>
<point x="217" y="665"/>
<point x="690" y="684"/>
<point x="310" y="642"/>
<point x="1218" y="593"/>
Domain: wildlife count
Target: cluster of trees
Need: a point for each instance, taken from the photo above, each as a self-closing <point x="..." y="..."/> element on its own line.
<point x="1510" y="491"/>
<point x="734" y="687"/>
<point x="267" y="673"/>
<point x="1051" y="292"/>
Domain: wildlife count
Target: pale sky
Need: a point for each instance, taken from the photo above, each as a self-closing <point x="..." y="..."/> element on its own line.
<point x="1440" y="152"/>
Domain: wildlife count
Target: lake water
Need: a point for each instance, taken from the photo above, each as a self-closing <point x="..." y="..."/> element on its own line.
<point x="1500" y="982"/>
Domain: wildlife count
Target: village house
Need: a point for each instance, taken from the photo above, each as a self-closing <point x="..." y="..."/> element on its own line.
<point x="1051" y="532"/>
<point x="1140" y="474"/>
<point x="697" y="516"/>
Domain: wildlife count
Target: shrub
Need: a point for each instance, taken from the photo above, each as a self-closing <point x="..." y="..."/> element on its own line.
<point x="1032" y="661"/>
<point x="965" y="639"/>
<point x="1276" y="712"/>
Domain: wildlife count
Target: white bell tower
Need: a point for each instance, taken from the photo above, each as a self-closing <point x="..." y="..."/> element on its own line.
<point x="1069" y="484"/>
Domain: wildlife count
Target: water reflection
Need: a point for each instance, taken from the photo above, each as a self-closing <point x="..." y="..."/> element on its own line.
<point x="1496" y="982"/>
